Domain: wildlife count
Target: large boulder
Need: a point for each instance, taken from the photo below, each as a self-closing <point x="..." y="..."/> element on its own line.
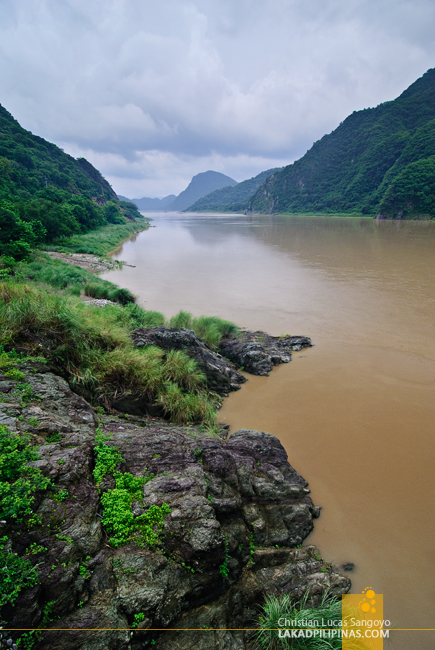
<point x="258" y="352"/>
<point x="222" y="376"/>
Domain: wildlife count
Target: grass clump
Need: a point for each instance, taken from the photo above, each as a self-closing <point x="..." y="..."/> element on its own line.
<point x="108" y="291"/>
<point x="93" y="347"/>
<point x="327" y="615"/>
<point x="102" y="240"/>
<point x="210" y="329"/>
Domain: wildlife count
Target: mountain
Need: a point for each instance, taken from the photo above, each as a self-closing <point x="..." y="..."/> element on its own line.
<point x="199" y="186"/>
<point x="145" y="203"/>
<point x="233" y="198"/>
<point x="379" y="161"/>
<point x="45" y="194"/>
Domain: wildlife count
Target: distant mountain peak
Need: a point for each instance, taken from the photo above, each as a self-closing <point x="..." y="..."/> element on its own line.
<point x="200" y="185"/>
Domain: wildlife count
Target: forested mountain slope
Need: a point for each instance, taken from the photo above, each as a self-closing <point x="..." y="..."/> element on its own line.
<point x="379" y="161"/>
<point x="45" y="194"/>
<point x="232" y="198"/>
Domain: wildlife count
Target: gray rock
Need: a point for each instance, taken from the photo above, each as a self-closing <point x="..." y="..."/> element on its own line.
<point x="238" y="497"/>
<point x="258" y="352"/>
<point x="222" y="376"/>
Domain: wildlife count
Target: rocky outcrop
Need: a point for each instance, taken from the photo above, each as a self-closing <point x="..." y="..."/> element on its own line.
<point x="222" y="376"/>
<point x="234" y="503"/>
<point x="253" y="352"/>
<point x="258" y="352"/>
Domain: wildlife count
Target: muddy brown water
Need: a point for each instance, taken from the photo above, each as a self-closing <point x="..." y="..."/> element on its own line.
<point x="355" y="412"/>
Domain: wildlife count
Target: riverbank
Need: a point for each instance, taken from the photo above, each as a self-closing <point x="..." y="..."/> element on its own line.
<point x="128" y="522"/>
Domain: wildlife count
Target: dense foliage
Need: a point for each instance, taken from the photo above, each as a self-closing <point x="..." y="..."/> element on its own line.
<point x="119" y="519"/>
<point x="46" y="195"/>
<point x="232" y="198"/>
<point x="379" y="161"/>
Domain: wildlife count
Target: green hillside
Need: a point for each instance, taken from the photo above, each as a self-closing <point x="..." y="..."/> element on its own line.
<point x="379" y="161"/>
<point x="46" y="195"/>
<point x="231" y="199"/>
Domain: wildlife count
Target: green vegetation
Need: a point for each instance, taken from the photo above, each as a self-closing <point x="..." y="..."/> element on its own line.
<point x="379" y="161"/>
<point x="118" y="517"/>
<point x="47" y="196"/>
<point x="93" y="346"/>
<point x="100" y="241"/>
<point x="138" y="618"/>
<point x="17" y="573"/>
<point x="210" y="329"/>
<point x="277" y="607"/>
<point x="223" y="568"/>
<point x="107" y="458"/>
<point x="232" y="198"/>
<point x="18" y="480"/>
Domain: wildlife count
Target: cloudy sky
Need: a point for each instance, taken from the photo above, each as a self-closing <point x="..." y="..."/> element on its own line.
<point x="153" y="92"/>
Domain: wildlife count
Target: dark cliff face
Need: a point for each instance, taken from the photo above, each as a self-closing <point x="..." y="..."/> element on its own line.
<point x="236" y="503"/>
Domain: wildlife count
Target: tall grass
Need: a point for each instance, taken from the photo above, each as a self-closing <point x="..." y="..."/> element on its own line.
<point x="93" y="346"/>
<point x="101" y="289"/>
<point x="101" y="241"/>
<point x="328" y="615"/>
<point x="63" y="276"/>
<point x="210" y="329"/>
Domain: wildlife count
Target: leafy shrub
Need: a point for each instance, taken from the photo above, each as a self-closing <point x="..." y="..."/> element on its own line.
<point x="18" y="480"/>
<point x="17" y="573"/>
<point x="107" y="458"/>
<point x="118" y="516"/>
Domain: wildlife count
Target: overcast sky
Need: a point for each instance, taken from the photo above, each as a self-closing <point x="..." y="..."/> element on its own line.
<point x="153" y="92"/>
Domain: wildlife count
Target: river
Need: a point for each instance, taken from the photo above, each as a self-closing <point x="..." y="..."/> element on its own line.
<point x="356" y="411"/>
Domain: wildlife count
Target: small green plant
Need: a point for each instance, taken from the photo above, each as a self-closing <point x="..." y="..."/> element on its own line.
<point x="25" y="392"/>
<point x="33" y="422"/>
<point x="61" y="461"/>
<point x="189" y="568"/>
<point x="55" y="437"/>
<point x="18" y="480"/>
<point x="17" y="573"/>
<point x="80" y="604"/>
<point x="64" y="538"/>
<point x="61" y="495"/>
<point x="107" y="458"/>
<point x="15" y="374"/>
<point x="156" y="456"/>
<point x="223" y="568"/>
<point x="35" y="548"/>
<point x="138" y="618"/>
<point x="83" y="569"/>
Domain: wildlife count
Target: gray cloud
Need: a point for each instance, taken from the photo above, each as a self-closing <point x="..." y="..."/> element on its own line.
<point x="154" y="92"/>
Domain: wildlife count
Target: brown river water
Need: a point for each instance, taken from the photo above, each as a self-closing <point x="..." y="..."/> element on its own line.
<point x="355" y="412"/>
